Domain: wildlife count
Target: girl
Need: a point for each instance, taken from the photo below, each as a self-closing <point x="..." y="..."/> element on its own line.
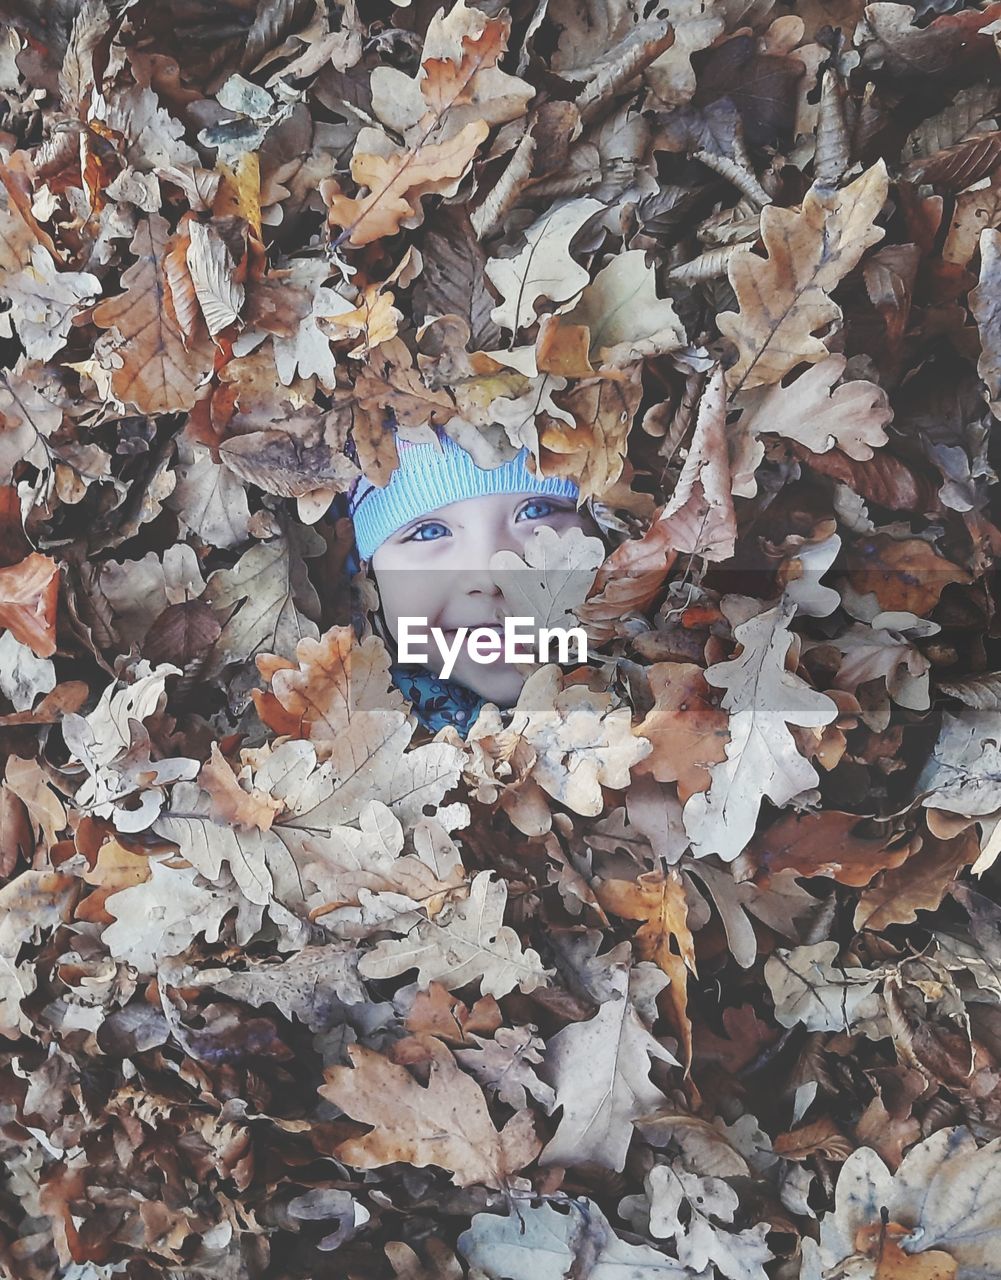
<point x="427" y="539"/>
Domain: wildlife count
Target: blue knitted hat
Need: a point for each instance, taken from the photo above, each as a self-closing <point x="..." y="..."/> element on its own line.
<point x="430" y="477"/>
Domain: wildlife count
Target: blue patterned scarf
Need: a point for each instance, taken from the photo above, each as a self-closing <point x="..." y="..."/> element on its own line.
<point x="437" y="702"/>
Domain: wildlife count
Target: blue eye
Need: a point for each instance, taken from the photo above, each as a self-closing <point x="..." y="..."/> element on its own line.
<point x="429" y="531"/>
<point x="538" y="509"/>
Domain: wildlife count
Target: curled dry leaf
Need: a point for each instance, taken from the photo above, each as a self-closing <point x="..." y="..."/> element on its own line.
<point x="700" y="518"/>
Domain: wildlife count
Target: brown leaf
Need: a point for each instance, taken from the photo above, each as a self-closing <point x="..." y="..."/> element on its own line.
<point x="29" y="592"/>
<point x="445" y="1124"/>
<point x="658" y="899"/>
<point x="824" y="844"/>
<point x="878" y="1243"/>
<point x="918" y="885"/>
<point x="746" y="1036"/>
<point x="959" y="166"/>
<point x="332" y="678"/>
<point x="629" y="579"/>
<point x="436" y="1012"/>
<point x="16" y="837"/>
<point x="819" y="1137"/>
<point x="593" y="450"/>
<point x="152" y="366"/>
<point x="183" y="632"/>
<point x="785" y="298"/>
<point x="396" y="180"/>
<point x="688" y="731"/>
<point x="230" y="802"/>
<point x="905" y="575"/>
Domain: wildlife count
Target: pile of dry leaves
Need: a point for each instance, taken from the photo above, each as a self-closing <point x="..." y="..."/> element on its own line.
<point x="688" y="965"/>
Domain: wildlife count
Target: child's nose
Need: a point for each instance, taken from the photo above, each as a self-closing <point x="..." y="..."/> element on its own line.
<point x="475" y="549"/>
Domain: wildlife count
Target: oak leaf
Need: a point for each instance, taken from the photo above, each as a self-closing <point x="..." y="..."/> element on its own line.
<point x="681" y="1205"/>
<point x="689" y="733"/>
<point x="852" y="417"/>
<point x="151" y="364"/>
<point x="658" y="899"/>
<point x="762" y="758"/>
<point x="945" y="1194"/>
<point x="626" y="321"/>
<point x="826" y="844"/>
<point x="600" y="1070"/>
<point x="550" y="579"/>
<point x="209" y="499"/>
<point x="459" y="80"/>
<point x="163" y="915"/>
<point x="541" y="1242"/>
<point x="312" y="985"/>
<point x="28" y="416"/>
<point x="230" y="802"/>
<point x="396" y="180"/>
<point x="592" y="450"/>
<point x="44" y="302"/>
<point x="213" y="275"/>
<point x="445" y="1124"/>
<point x="919" y="885"/>
<point x="811" y="987"/>
<point x="471" y="945"/>
<point x="316" y="694"/>
<point x="630" y="578"/>
<point x="784" y="299"/>
<point x="311" y="841"/>
<point x="906" y="575"/>
<point x="544" y="268"/>
<point x="963" y="773"/>
<point x="505" y="1065"/>
<point x="266" y="598"/>
<point x="581" y="742"/>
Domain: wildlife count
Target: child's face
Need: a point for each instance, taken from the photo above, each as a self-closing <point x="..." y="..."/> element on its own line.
<point x="438" y="567"/>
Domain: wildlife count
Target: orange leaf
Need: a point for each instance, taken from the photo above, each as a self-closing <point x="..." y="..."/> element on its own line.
<point x="28" y="595"/>
<point x="447" y="83"/>
<point x="878" y="1243"/>
<point x="230" y="803"/>
<point x="158" y="372"/>
<point x="824" y="844"/>
<point x="906" y="575"/>
<point x="689" y="733"/>
<point x="659" y="900"/>
<point x="396" y="184"/>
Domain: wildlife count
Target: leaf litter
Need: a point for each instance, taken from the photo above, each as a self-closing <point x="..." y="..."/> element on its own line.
<point x="686" y="965"/>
